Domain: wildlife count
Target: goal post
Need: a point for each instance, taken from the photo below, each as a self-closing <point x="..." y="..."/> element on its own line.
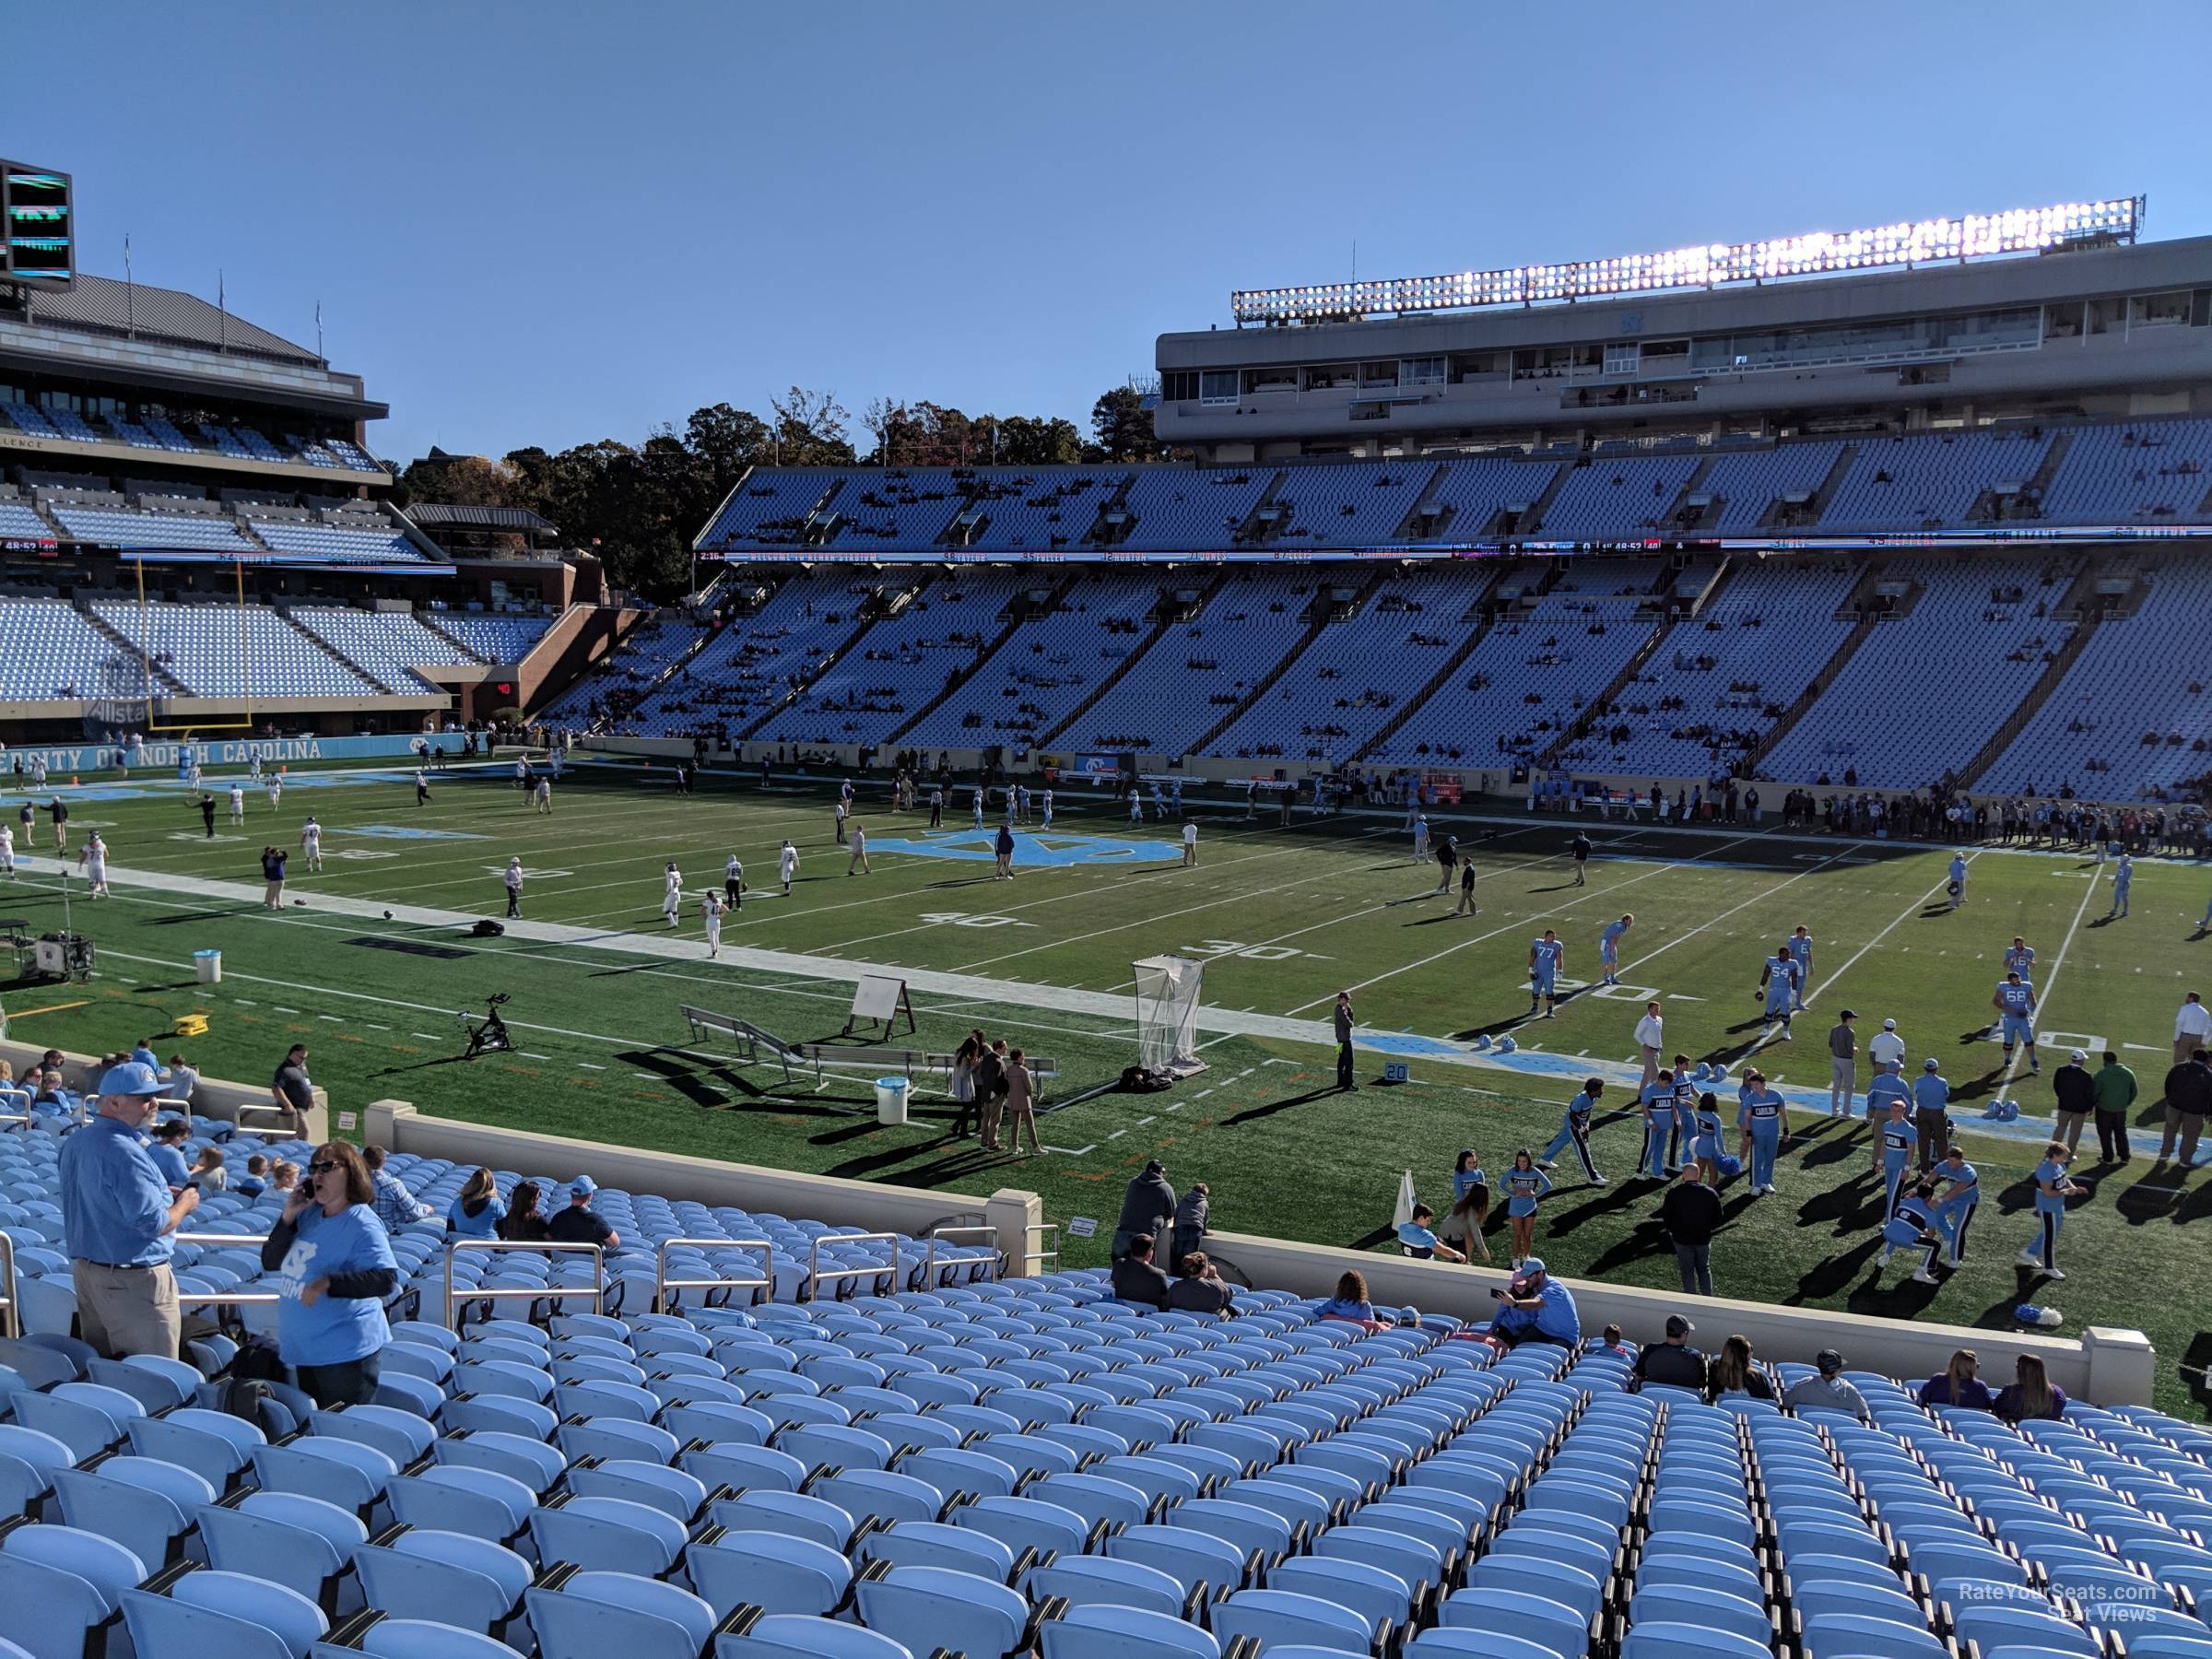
<point x="1167" y="1014"/>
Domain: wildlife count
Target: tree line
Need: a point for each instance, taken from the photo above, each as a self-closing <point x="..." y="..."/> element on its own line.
<point x="638" y="506"/>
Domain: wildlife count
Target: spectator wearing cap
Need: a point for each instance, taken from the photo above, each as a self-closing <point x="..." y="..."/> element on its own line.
<point x="1674" y="1362"/>
<point x="2076" y="1092"/>
<point x="1825" y="1390"/>
<point x="1536" y="1308"/>
<point x="1886" y="1050"/>
<point x="334" y="1267"/>
<point x="1930" y="1113"/>
<point x="394" y="1206"/>
<point x="1691" y="1214"/>
<point x="118" y="1214"/>
<point x="578" y="1224"/>
<point x="1842" y="1064"/>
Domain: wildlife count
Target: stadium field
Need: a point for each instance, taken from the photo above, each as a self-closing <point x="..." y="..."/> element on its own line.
<point x="1282" y="916"/>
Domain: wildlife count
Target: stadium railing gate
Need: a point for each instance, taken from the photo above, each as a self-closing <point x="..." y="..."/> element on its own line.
<point x="959" y="1235"/>
<point x="597" y="1290"/>
<point x="661" y="1284"/>
<point x="11" y="1321"/>
<point x="815" y="1278"/>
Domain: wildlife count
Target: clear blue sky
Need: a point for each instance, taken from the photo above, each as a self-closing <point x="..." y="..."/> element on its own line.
<point x="556" y="222"/>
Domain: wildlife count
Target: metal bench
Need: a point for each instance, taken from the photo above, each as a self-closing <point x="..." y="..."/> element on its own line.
<point x="751" y="1040"/>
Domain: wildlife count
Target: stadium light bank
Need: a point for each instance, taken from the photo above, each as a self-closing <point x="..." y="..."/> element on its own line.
<point x="2017" y="230"/>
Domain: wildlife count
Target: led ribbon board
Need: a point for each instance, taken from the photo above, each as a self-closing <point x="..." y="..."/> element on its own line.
<point x="2020" y="230"/>
<point x="38" y="240"/>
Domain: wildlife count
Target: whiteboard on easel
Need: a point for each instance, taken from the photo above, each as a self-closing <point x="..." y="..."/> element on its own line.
<point x="878" y="997"/>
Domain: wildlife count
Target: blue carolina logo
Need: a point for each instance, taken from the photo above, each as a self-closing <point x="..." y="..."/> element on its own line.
<point x="1052" y="850"/>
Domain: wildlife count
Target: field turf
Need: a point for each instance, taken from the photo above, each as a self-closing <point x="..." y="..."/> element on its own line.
<point x="1283" y="917"/>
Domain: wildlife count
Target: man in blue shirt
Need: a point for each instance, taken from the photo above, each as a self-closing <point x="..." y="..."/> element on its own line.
<point x="2123" y="875"/>
<point x="1930" y="1112"/>
<point x="1956" y="887"/>
<point x="1575" y="1132"/>
<point x="1961" y="1196"/>
<point x="1766" y="1128"/>
<point x="144" y="1055"/>
<point x="2015" y="1004"/>
<point x="1608" y="947"/>
<point x="1419" y="1238"/>
<point x="1536" y="1308"/>
<point x="1546" y="956"/>
<point x="117" y="1214"/>
<point x="1778" y="983"/>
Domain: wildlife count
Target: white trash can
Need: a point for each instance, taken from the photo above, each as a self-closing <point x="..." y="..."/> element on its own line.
<point x="890" y="1101"/>
<point x="209" y="965"/>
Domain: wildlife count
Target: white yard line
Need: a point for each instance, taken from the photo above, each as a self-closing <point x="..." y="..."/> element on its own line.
<point x="2012" y="1066"/>
<point x="1902" y="917"/>
<point x="1602" y="892"/>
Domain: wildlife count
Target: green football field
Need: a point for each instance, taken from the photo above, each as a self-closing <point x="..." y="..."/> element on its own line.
<point x="1282" y="917"/>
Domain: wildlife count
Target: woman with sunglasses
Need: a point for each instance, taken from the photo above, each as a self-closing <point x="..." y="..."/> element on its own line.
<point x="335" y="1268"/>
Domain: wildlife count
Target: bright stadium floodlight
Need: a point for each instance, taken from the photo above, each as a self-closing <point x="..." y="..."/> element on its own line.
<point x="2019" y="230"/>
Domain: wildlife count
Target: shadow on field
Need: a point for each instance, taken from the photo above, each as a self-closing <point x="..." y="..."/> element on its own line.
<point x="721" y="1087"/>
<point x="1604" y="1202"/>
<point x="198" y="915"/>
<point x="1831" y="1275"/>
<point x="1251" y="1113"/>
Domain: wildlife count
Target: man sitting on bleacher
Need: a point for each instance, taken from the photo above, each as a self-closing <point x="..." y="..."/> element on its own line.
<point x="1536" y="1308"/>
<point x="577" y="1224"/>
<point x="1135" y="1279"/>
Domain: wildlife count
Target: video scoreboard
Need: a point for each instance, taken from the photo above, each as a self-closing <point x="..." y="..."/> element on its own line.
<point x="38" y="239"/>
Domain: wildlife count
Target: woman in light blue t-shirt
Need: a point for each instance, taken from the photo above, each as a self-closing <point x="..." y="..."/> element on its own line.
<point x="477" y="1212"/>
<point x="334" y="1266"/>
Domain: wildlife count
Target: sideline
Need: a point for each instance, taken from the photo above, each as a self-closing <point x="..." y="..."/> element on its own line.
<point x="1113" y="1006"/>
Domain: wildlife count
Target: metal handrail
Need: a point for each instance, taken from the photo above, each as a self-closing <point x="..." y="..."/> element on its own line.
<point x="11" y="1318"/>
<point x="1032" y="1258"/>
<point x="662" y="1284"/>
<point x="24" y="1116"/>
<point x="981" y="1233"/>
<point x="238" y="1121"/>
<point x="520" y="1292"/>
<point x="815" y="1275"/>
<point x="229" y="1299"/>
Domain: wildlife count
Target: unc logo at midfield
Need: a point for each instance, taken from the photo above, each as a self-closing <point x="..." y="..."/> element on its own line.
<point x="1052" y="850"/>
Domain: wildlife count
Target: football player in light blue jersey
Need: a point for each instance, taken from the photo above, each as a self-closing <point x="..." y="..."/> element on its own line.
<point x="1800" y="947"/>
<point x="2052" y="1187"/>
<point x="1575" y="1132"/>
<point x="1897" y="1137"/>
<point x="2015" y="1004"/>
<point x="1766" y="1129"/>
<point x="1777" y="985"/>
<point x="1911" y="1225"/>
<point x="1608" y="947"/>
<point x="1545" y="957"/>
<point x="2019" y="958"/>
<point x="2124" y="877"/>
<point x="1961" y="1197"/>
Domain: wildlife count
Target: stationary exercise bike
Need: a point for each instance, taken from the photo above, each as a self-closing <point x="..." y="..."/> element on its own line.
<point x="490" y="1037"/>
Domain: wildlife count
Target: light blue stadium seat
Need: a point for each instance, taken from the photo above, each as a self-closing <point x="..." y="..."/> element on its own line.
<point x="594" y="1614"/>
<point x="1274" y="1617"/>
<point x="936" y="1544"/>
<point x="62" y="1587"/>
<point x="1686" y="1641"/>
<point x="144" y="1503"/>
<point x="801" y="1636"/>
<point x="442" y="1576"/>
<point x="770" y="1509"/>
<point x="212" y="1612"/>
<point x="424" y="1639"/>
<point x="774" y="1572"/>
<point x="301" y="1543"/>
<point x="919" y="1607"/>
<point x="1110" y="1632"/>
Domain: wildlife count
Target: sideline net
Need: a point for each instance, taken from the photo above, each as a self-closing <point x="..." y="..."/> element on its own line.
<point x="1167" y="1014"/>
